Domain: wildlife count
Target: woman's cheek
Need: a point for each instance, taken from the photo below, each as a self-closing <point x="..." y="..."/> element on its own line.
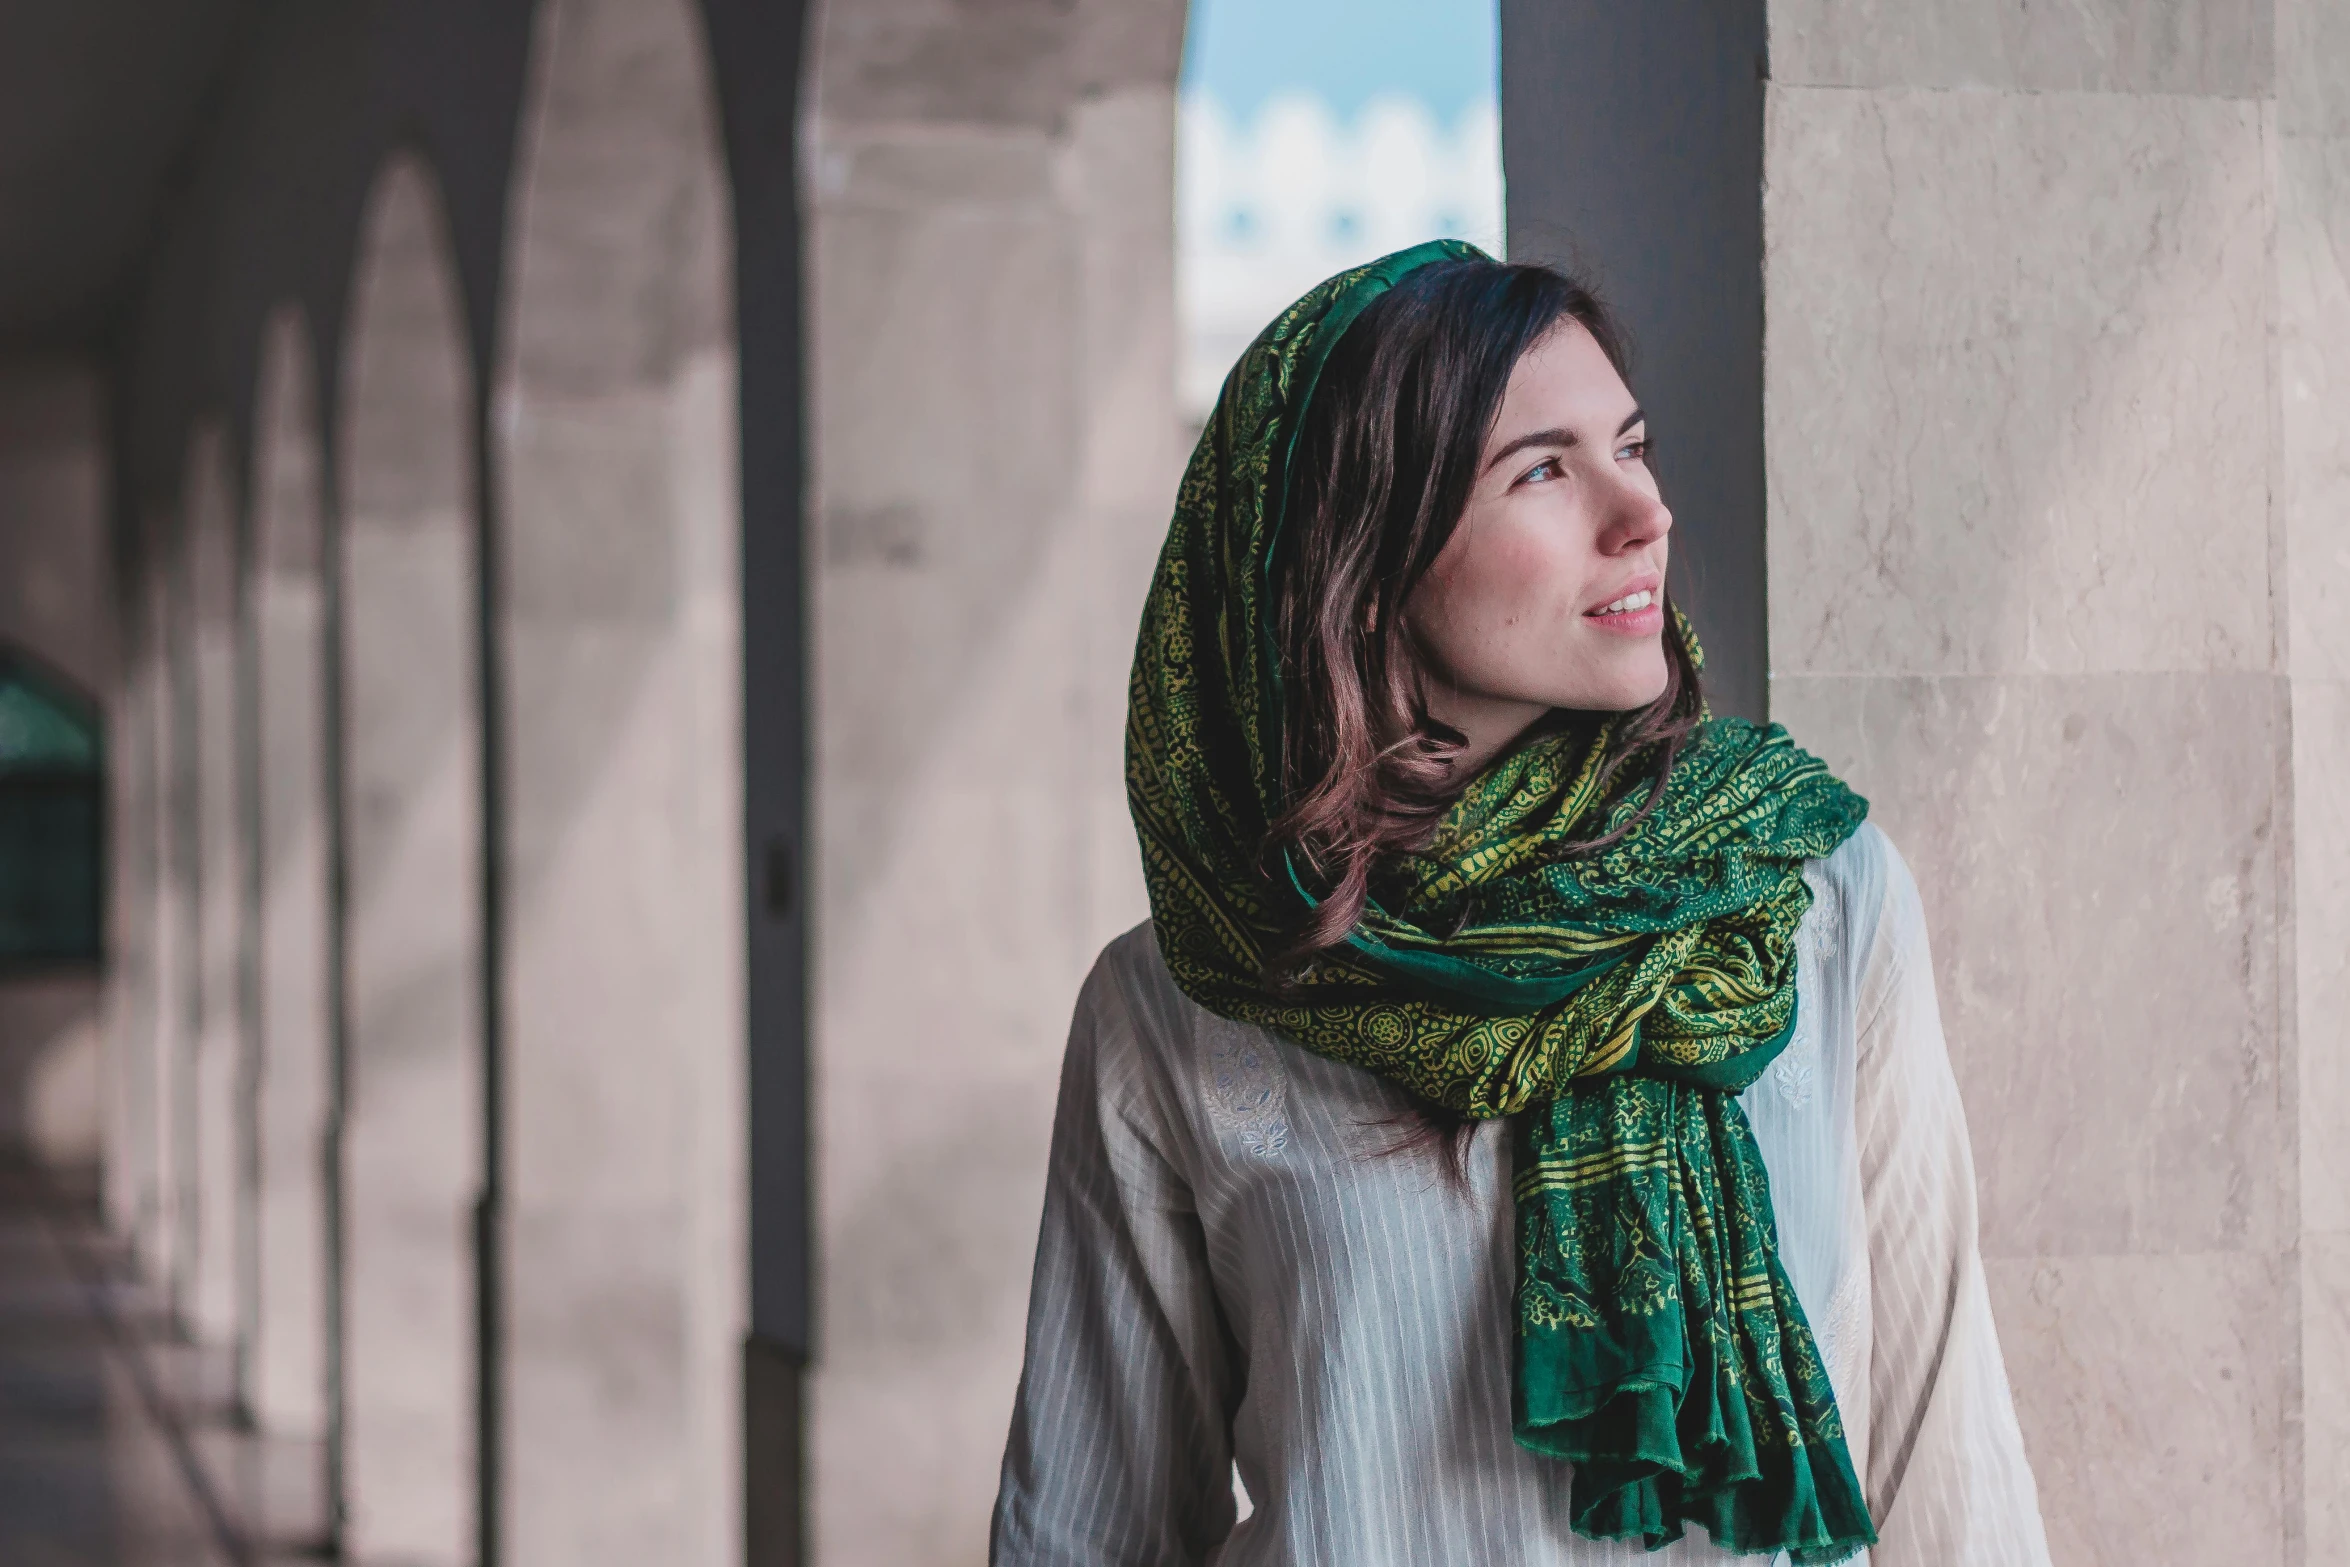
<point x="1519" y="575"/>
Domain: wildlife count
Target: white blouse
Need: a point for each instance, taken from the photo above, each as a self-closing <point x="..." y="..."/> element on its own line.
<point x="1235" y="1276"/>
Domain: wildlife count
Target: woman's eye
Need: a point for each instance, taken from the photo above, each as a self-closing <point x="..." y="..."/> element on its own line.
<point x="1541" y="472"/>
<point x="1636" y="451"/>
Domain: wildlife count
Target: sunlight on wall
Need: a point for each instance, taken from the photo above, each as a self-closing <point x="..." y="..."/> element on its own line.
<point x="1313" y="138"/>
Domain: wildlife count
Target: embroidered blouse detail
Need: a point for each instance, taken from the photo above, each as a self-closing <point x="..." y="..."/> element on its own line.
<point x="1242" y="1083"/>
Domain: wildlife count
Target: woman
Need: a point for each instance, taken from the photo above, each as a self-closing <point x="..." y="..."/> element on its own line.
<point x="1523" y="1130"/>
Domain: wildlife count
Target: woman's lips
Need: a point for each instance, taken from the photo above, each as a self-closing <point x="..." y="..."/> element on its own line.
<point x="1637" y="614"/>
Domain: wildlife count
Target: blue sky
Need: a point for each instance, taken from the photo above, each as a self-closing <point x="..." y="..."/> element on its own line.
<point x="1443" y="52"/>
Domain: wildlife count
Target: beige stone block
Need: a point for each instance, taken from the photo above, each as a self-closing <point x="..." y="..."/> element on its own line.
<point x="2153" y="1394"/>
<point x="2321" y="937"/>
<point x="2208" y="48"/>
<point x="2097" y="857"/>
<point x="1029" y="62"/>
<point x="918" y="1481"/>
<point x="2313" y="342"/>
<point x="969" y="964"/>
<point x="942" y="1017"/>
<point x="604" y="1386"/>
<point x="405" y="447"/>
<point x="2313" y="67"/>
<point x="2325" y="1398"/>
<point x="622" y="227"/>
<point x="2017" y="383"/>
<point x="624" y="920"/>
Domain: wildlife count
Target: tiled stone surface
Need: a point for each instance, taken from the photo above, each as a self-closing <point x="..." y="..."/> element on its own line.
<point x="2056" y="378"/>
<point x="2017" y="383"/>
<point x="2098" y="861"/>
<point x="2209" y="48"/>
<point x="2313" y="68"/>
<point x="2325" y="1396"/>
<point x="2321" y="925"/>
<point x="2153" y="1394"/>
<point x="2313" y="273"/>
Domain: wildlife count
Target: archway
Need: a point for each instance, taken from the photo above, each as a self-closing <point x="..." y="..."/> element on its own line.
<point x="410" y="737"/>
<point x="622" y="1121"/>
<point x="292" y="981"/>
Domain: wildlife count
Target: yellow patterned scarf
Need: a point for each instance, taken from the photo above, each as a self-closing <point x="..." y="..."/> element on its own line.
<point x="1613" y="1004"/>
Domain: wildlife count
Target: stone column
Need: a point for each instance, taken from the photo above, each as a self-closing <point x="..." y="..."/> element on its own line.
<point x="622" y="1110"/>
<point x="220" y="1083"/>
<point x="129" y="1168"/>
<point x="2034" y="588"/>
<point x="411" y="738"/>
<point x="294" y="1026"/>
<point x="171" y="1255"/>
<point x="996" y="449"/>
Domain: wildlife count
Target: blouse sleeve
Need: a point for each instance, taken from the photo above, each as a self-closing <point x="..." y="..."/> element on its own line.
<point x="1948" y="1482"/>
<point x="1120" y="1449"/>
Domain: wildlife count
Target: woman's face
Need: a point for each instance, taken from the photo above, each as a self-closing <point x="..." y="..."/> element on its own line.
<point x="1550" y="593"/>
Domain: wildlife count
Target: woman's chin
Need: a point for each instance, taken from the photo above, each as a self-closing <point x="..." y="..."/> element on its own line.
<point x="1631" y="683"/>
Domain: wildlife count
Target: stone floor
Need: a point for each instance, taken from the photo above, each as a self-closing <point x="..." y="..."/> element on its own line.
<point x="118" y="1447"/>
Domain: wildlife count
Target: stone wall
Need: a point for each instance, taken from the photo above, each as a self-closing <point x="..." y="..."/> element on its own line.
<point x="2053" y="530"/>
<point x="996" y="446"/>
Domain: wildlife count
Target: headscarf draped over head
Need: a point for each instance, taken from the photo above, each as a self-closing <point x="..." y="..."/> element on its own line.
<point x="1612" y="1003"/>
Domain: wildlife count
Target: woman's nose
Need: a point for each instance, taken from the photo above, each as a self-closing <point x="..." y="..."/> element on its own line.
<point x="1637" y="518"/>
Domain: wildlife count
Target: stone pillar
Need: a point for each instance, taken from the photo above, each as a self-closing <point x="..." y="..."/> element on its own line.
<point x="220" y="1081"/>
<point x="411" y="743"/>
<point x="2035" y="590"/>
<point x="622" y="1113"/>
<point x="130" y="1173"/>
<point x="2312" y="503"/>
<point x="294" y="1027"/>
<point x="171" y="1241"/>
<point x="996" y="449"/>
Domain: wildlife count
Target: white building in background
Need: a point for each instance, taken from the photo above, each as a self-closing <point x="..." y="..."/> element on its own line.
<point x="1264" y="210"/>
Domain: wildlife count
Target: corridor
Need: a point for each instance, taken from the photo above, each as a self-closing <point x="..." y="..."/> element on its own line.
<point x="116" y="1448"/>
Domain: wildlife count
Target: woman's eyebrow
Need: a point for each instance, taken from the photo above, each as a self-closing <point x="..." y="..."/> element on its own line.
<point x="1535" y="438"/>
<point x="1554" y="437"/>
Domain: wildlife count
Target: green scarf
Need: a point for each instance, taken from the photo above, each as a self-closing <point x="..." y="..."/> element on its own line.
<point x="1613" y="1004"/>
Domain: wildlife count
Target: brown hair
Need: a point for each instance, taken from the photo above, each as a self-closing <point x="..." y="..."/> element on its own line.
<point x="1386" y="456"/>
